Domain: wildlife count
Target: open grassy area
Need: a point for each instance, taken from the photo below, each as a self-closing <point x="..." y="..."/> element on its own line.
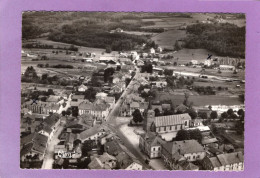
<point x="167" y="39"/>
<point x="202" y="100"/>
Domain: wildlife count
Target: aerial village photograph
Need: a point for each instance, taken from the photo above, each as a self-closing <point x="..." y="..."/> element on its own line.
<point x="132" y="91"/>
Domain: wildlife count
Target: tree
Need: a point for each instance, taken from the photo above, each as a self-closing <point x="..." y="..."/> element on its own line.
<point x="168" y="72"/>
<point x="193" y="114"/>
<point x="177" y="46"/>
<point x="241" y="112"/>
<point x="204" y="115"/>
<point x="63" y="113"/>
<point x="196" y="135"/>
<point x="186" y="99"/>
<point x="127" y="81"/>
<point x="75" y="112"/>
<point x="230" y="112"/>
<point x="182" y="135"/>
<point x="50" y="92"/>
<point x="44" y="76"/>
<point x="224" y="115"/>
<point x="214" y="115"/>
<point x="137" y="116"/>
<point x="108" y="49"/>
<point x="157" y="112"/>
<point x="68" y="112"/>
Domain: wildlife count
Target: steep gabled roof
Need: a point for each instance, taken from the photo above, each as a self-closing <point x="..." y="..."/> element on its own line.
<point x="230" y="158"/>
<point x="183" y="147"/>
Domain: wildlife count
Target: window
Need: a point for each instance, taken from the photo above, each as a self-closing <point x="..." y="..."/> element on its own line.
<point x="176" y="127"/>
<point x="198" y="156"/>
<point x="194" y="157"/>
<point x="165" y="128"/>
<point x="186" y="123"/>
<point x="153" y="149"/>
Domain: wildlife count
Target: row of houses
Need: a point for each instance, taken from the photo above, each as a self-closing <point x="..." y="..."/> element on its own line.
<point x="33" y="145"/>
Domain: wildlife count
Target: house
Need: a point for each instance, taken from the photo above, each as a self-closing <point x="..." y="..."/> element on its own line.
<point x="194" y="62"/>
<point x="127" y="161"/>
<point x="53" y="99"/>
<point x="47" y="131"/>
<point x="41" y="107"/>
<point x="104" y="161"/>
<point x="159" y="84"/>
<point x="101" y="95"/>
<point x="150" y="143"/>
<point x="82" y="88"/>
<point x="225" y="162"/>
<point x="208" y="62"/>
<point x="93" y="133"/>
<point x="186" y="165"/>
<point x="227" y="67"/>
<point x="111" y="101"/>
<point x="82" y="123"/>
<point x="76" y="100"/>
<point x="174" y="152"/>
<point x="52" y="121"/>
<point x="115" y="89"/>
<point x="166" y="124"/>
<point x="112" y="147"/>
<point x="99" y="110"/>
<point x="29" y="122"/>
<point x="152" y="51"/>
<point x="159" y="49"/>
<point x="33" y="147"/>
<point x="59" y="149"/>
<point x="157" y="70"/>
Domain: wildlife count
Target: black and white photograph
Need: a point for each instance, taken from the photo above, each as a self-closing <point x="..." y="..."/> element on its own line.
<point x="132" y="91"/>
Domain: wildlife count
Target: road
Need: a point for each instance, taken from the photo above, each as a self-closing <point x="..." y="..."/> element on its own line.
<point x="112" y="124"/>
<point x="48" y="158"/>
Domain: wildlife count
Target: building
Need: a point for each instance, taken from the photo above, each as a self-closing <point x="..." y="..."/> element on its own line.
<point x="150" y="143"/>
<point x="208" y="62"/>
<point x="227" y="67"/>
<point x="166" y="124"/>
<point x="40" y="107"/>
<point x="194" y="62"/>
<point x="99" y="110"/>
<point x="93" y="133"/>
<point x="33" y="147"/>
<point x="127" y="161"/>
<point x="225" y="162"/>
<point x="159" y="84"/>
<point x="104" y="161"/>
<point x="152" y="51"/>
<point x="174" y="152"/>
<point x="82" y="88"/>
<point x="101" y="95"/>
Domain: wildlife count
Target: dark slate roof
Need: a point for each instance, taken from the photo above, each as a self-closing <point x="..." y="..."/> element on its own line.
<point x="230" y="158"/>
<point x="185" y="147"/>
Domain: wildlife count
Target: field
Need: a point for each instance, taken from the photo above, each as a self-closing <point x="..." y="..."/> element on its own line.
<point x="98" y="51"/>
<point x="201" y="100"/>
<point x="167" y="39"/>
<point x="140" y="33"/>
<point x="185" y="55"/>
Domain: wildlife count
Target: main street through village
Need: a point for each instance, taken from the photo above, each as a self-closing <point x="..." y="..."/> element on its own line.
<point x="113" y="124"/>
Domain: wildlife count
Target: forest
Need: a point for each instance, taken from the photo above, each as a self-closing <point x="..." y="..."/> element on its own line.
<point x="223" y="39"/>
